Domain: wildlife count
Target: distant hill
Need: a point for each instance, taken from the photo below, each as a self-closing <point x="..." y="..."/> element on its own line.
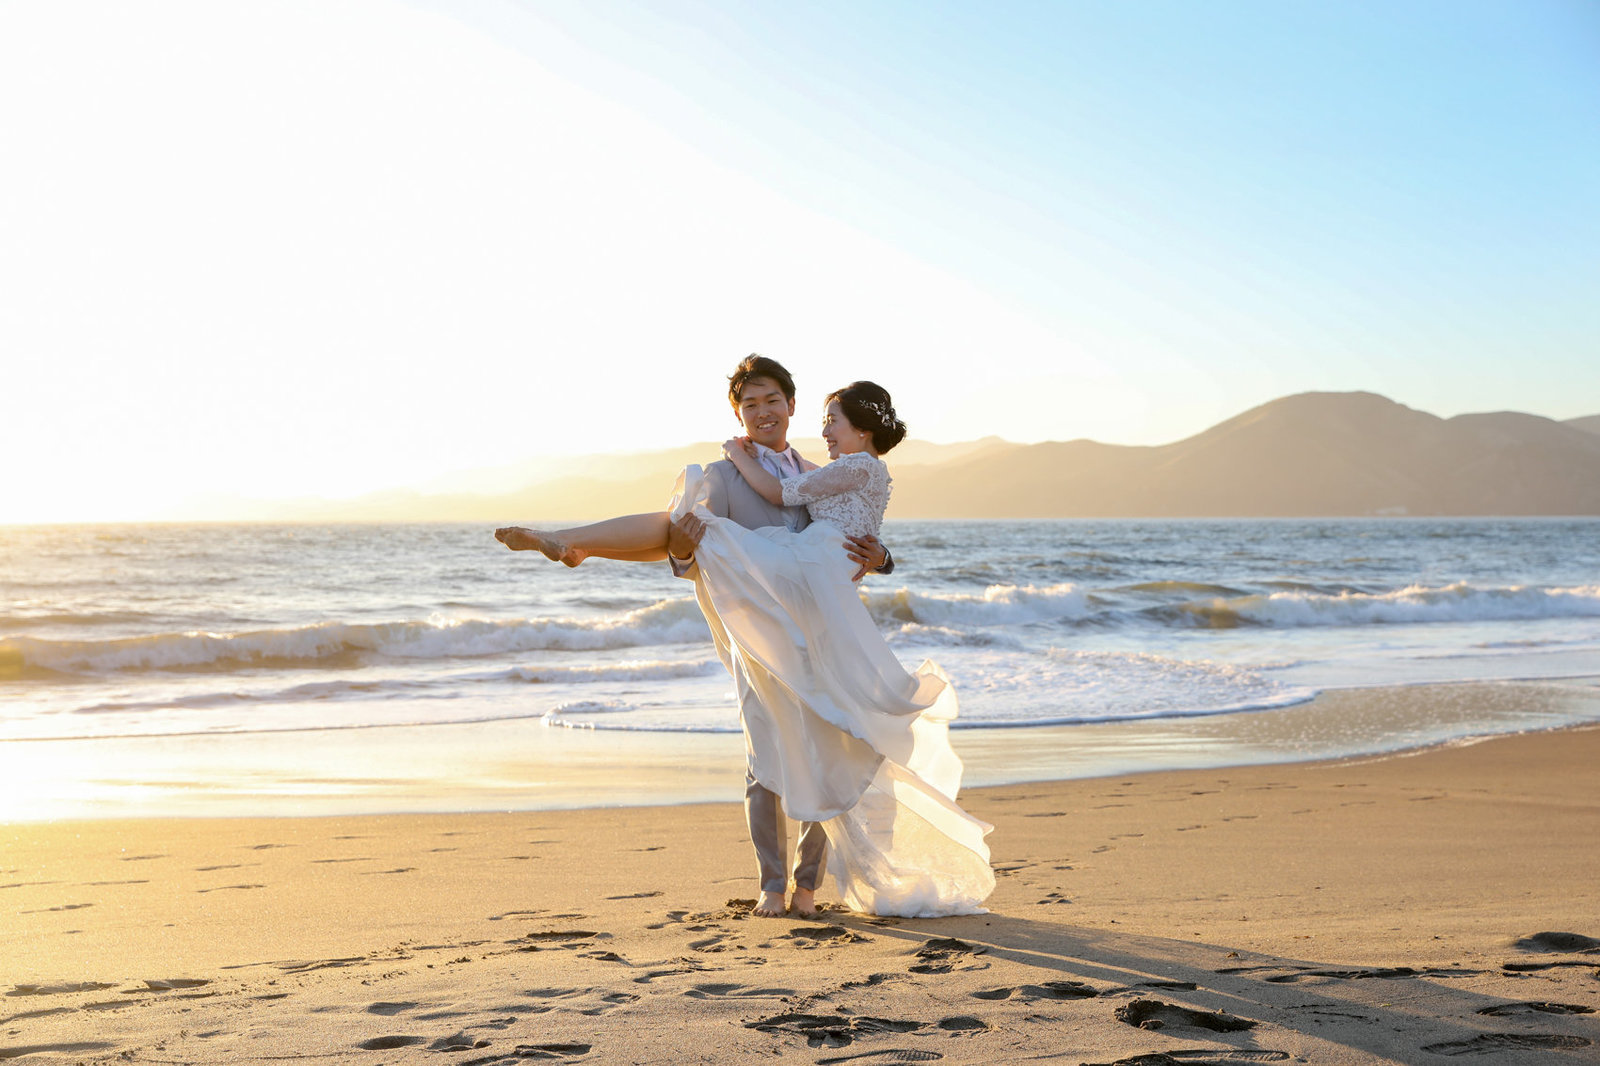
<point x="1310" y="454"/>
<point x="1313" y="454"/>
<point x="1588" y="423"/>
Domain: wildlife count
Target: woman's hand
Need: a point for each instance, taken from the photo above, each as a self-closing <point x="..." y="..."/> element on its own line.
<point x="734" y="447"/>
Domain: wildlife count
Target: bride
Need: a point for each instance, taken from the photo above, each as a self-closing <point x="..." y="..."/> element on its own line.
<point x="845" y="735"/>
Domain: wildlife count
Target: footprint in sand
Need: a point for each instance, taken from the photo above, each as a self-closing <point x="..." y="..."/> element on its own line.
<point x="1198" y="1057"/>
<point x="675" y="971"/>
<point x="962" y="1023"/>
<point x="1048" y="990"/>
<point x="587" y="1001"/>
<point x="1154" y="1014"/>
<point x="944" y="954"/>
<point x="719" y="942"/>
<point x="872" y="981"/>
<point x="1383" y="973"/>
<point x="320" y="964"/>
<point x="533" y="1051"/>
<point x="557" y="939"/>
<point x="58" y="990"/>
<point x="1174" y="986"/>
<point x="830" y="1030"/>
<point x="815" y="936"/>
<point x="1508" y="1010"/>
<point x="1563" y="943"/>
<point x="1490" y="1043"/>
<point x="733" y="991"/>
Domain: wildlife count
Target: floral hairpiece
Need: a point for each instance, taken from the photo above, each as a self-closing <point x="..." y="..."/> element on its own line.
<point x="884" y="412"/>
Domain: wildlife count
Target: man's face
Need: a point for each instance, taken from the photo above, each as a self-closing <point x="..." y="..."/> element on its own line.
<point x="764" y="412"/>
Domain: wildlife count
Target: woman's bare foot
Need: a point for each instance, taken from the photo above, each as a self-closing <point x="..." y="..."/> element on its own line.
<point x="770" y="905"/>
<point x="521" y="539"/>
<point x="804" y="902"/>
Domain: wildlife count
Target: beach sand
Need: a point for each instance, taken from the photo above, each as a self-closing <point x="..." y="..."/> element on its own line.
<point x="1408" y="909"/>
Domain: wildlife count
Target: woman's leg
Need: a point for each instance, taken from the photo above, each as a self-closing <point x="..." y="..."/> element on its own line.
<point x="634" y="537"/>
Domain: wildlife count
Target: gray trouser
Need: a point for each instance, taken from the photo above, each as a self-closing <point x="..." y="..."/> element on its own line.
<point x="769" y="832"/>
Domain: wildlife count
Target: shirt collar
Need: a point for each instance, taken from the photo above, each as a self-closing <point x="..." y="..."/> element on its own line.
<point x="786" y="457"/>
<point x="763" y="450"/>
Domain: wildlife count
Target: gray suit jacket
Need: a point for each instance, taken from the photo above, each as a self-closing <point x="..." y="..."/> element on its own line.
<point x="730" y="496"/>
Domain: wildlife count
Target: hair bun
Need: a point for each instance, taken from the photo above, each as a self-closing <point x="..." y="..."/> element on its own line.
<point x="869" y="407"/>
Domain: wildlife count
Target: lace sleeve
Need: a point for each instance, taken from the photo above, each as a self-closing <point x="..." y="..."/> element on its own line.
<point x="835" y="479"/>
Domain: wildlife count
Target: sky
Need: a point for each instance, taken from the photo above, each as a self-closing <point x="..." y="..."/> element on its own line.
<point x="325" y="247"/>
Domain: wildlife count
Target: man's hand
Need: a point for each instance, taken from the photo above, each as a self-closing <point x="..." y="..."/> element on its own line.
<point x="866" y="550"/>
<point x="683" y="536"/>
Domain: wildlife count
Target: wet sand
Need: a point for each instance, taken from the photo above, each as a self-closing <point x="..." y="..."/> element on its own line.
<point x="1405" y="909"/>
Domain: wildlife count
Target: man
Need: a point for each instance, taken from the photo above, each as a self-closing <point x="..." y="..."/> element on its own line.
<point x="762" y="394"/>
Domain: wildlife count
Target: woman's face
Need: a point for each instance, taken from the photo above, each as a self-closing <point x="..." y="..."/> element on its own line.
<point x="842" y="437"/>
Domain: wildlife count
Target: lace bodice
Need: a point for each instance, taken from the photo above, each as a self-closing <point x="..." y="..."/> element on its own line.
<point x="852" y="492"/>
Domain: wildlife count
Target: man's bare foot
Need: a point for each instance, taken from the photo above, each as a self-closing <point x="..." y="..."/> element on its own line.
<point x="521" y="539"/>
<point x="804" y="902"/>
<point x="770" y="905"/>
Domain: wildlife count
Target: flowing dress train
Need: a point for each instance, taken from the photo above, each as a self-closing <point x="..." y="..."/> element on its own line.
<point x="840" y="731"/>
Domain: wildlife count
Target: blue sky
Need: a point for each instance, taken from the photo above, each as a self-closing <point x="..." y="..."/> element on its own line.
<point x="319" y="248"/>
<point x="1399" y="197"/>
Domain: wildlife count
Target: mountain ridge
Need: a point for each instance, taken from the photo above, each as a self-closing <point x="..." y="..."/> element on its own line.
<point x="1305" y="455"/>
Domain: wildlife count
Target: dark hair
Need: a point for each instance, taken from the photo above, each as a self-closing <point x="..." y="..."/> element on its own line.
<point x="869" y="409"/>
<point x="758" y="366"/>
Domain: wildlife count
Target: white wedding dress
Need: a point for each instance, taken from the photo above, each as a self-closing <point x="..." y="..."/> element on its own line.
<point x="840" y="730"/>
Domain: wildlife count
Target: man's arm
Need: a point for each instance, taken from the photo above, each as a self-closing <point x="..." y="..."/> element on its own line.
<point x="869" y="553"/>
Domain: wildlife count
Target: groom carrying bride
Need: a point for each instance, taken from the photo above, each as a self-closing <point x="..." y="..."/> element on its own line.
<point x="837" y="731"/>
<point x="762" y="394"/>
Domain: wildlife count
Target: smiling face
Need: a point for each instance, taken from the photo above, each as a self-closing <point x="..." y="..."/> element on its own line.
<point x="764" y="412"/>
<point x="842" y="437"/>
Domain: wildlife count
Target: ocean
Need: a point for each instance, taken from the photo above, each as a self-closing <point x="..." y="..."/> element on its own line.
<point x="135" y="633"/>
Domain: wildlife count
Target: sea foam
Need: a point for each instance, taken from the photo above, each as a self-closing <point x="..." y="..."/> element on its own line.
<point x="1415" y="604"/>
<point x="343" y="644"/>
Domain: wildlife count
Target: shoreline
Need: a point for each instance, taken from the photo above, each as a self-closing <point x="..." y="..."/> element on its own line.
<point x="522" y="765"/>
<point x="1363" y="911"/>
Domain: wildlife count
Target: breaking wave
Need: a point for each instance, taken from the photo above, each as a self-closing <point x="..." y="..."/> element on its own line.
<point x="344" y="644"/>
<point x="1415" y="604"/>
<point x="996" y="605"/>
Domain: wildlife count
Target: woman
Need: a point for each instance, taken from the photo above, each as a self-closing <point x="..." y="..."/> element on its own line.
<point x="846" y="736"/>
